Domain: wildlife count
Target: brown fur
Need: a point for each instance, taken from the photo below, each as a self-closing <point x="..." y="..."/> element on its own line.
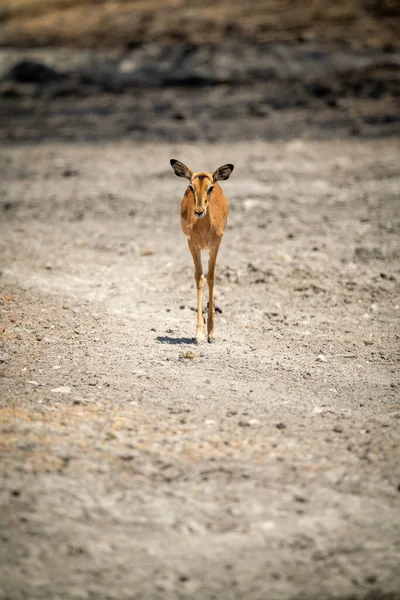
<point x="204" y="214"/>
<point x="205" y="232"/>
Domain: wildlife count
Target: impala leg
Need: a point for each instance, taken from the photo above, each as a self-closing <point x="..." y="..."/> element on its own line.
<point x="210" y="279"/>
<point x="199" y="277"/>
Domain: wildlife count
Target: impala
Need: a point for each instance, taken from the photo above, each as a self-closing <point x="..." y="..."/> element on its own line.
<point x="204" y="213"/>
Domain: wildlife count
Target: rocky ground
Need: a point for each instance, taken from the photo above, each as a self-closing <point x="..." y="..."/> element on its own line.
<point x="191" y="93"/>
<point x="138" y="465"/>
<point x="135" y="464"/>
<point x="189" y="71"/>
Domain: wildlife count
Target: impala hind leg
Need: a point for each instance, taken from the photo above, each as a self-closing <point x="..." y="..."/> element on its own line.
<point x="210" y="280"/>
<point x="199" y="277"/>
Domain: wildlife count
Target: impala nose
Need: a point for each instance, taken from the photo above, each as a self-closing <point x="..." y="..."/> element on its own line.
<point x="199" y="213"/>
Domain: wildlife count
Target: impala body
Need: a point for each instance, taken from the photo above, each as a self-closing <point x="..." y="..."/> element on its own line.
<point x="204" y="214"/>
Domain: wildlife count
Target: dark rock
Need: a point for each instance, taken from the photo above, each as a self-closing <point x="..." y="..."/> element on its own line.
<point x="178" y="116"/>
<point x="9" y="90"/>
<point x="30" y="71"/>
<point x="318" y="89"/>
<point x="257" y="110"/>
<point x="68" y="172"/>
<point x="8" y="205"/>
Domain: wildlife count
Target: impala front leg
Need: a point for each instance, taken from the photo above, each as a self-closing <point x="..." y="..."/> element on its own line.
<point x="210" y="280"/>
<point x="199" y="277"/>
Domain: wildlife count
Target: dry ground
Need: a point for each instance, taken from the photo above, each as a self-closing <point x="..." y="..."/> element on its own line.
<point x="130" y="23"/>
<point x="138" y="465"/>
<point x="134" y="464"/>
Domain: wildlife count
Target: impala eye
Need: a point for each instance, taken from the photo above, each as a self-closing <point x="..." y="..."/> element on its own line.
<point x="210" y="189"/>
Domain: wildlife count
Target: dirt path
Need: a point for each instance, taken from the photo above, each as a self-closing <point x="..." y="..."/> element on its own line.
<point x="138" y="465"/>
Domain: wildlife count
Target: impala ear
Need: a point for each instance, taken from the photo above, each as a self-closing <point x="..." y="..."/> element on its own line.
<point x="180" y="169"/>
<point x="223" y="172"/>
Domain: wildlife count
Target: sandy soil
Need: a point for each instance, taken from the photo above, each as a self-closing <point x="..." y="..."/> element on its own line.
<point x="137" y="465"/>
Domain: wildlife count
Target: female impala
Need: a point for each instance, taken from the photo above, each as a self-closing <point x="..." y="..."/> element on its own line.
<point x="204" y="213"/>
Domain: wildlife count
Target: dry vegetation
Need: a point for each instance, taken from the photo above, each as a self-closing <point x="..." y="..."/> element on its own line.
<point x="89" y="23"/>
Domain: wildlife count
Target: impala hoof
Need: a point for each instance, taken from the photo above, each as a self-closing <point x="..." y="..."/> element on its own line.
<point x="200" y="339"/>
<point x="211" y="339"/>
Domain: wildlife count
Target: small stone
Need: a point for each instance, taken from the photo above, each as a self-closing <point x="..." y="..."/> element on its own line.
<point x="236" y="511"/>
<point x="69" y="172"/>
<point x="61" y="390"/>
<point x="337" y="429"/>
<point x="267" y="525"/>
<point x="321" y="358"/>
<point x="300" y="499"/>
<point x="280" y="426"/>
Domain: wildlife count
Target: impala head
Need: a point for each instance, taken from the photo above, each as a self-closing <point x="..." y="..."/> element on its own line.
<point x="201" y="184"/>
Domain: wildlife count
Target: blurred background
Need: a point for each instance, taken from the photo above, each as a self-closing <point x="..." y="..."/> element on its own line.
<point x="183" y="70"/>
